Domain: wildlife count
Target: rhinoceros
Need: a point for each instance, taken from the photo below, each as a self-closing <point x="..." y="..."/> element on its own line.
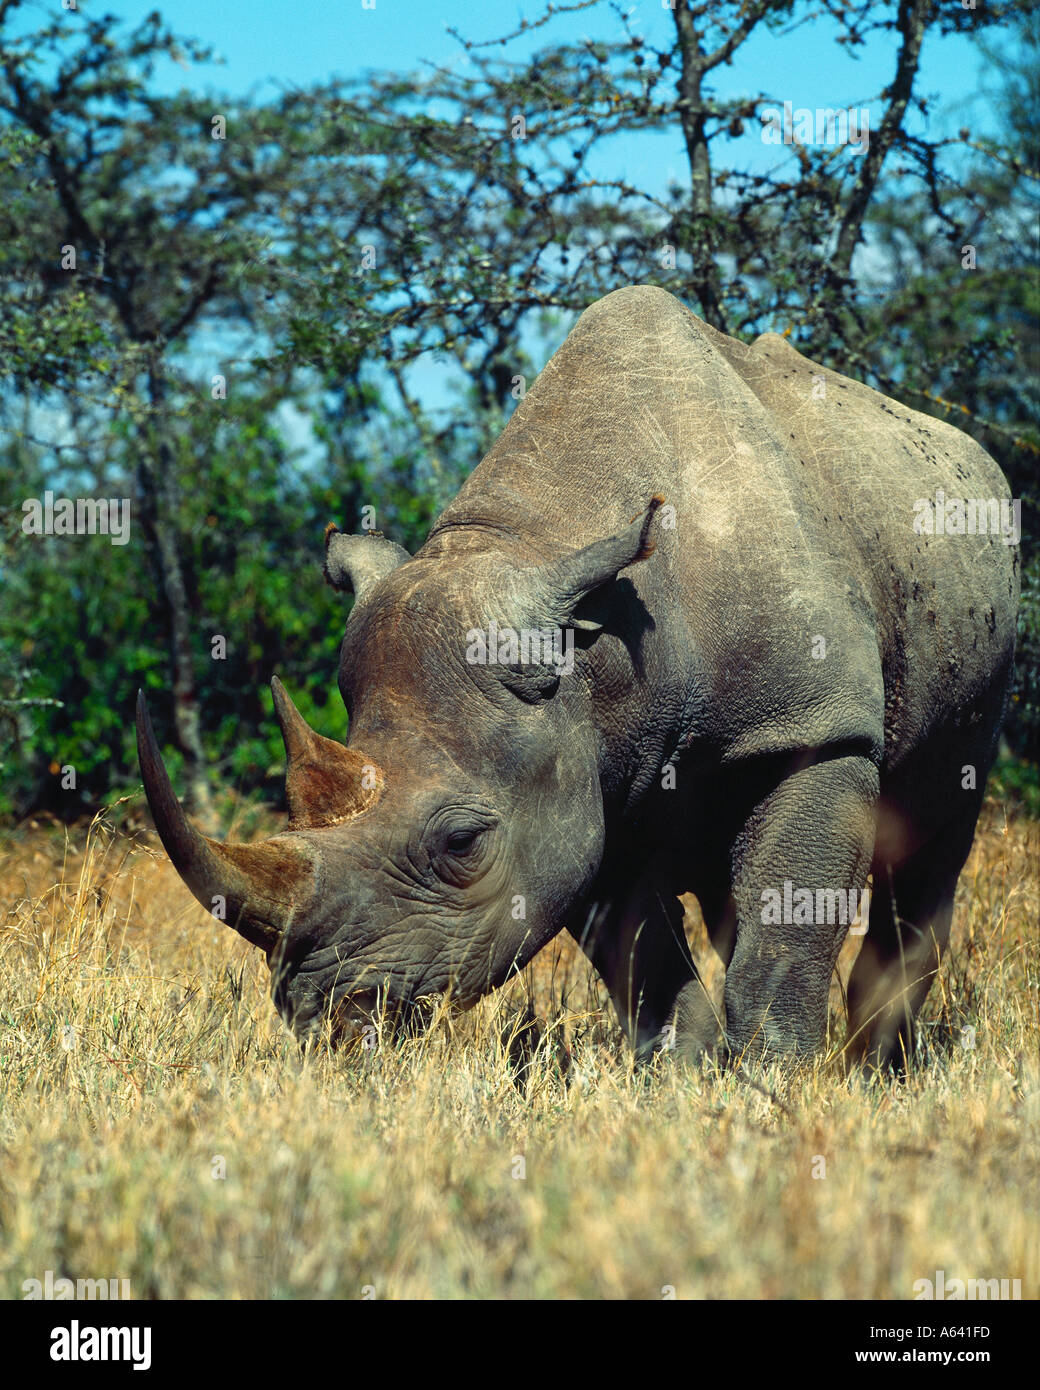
<point x="709" y="618"/>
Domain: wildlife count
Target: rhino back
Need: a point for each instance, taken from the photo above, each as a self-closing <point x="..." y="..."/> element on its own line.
<point x="944" y="604"/>
<point x="793" y="522"/>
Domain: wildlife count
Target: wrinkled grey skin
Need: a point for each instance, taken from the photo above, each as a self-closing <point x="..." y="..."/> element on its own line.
<point x="512" y="805"/>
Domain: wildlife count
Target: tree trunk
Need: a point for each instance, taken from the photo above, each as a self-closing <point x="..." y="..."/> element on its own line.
<point x="911" y="23"/>
<point x="705" y="279"/>
<point x="158" y="485"/>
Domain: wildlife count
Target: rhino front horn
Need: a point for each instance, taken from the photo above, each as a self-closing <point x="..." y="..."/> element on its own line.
<point x="254" y="888"/>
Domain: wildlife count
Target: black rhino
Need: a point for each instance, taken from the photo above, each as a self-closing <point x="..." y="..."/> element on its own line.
<point x="703" y="620"/>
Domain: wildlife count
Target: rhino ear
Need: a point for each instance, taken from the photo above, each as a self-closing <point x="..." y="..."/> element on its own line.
<point x="560" y="587"/>
<point x="356" y="564"/>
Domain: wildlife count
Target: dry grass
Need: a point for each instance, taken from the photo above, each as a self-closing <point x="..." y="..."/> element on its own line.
<point x="140" y="1059"/>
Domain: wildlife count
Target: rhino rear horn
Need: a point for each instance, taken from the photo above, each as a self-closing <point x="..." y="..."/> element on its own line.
<point x="325" y="782"/>
<point x="356" y="564"/>
<point x="259" y="887"/>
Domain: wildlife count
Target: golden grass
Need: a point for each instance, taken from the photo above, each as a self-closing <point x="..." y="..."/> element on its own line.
<point x="158" y="1124"/>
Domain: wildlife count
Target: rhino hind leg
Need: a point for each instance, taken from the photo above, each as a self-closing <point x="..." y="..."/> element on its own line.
<point x="911" y="912"/>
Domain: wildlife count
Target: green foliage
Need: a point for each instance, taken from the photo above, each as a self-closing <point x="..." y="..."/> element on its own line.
<point x="1014" y="780"/>
<point x="1023" y="721"/>
<point x="241" y="258"/>
<point x="87" y="621"/>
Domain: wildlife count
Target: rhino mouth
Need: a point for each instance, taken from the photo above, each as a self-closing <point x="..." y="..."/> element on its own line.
<point x="351" y="1018"/>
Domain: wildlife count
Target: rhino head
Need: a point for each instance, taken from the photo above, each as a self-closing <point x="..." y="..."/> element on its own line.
<point x="462" y="826"/>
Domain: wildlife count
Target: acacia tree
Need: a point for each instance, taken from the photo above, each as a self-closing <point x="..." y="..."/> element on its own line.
<point x="147" y="252"/>
<point x="128" y="222"/>
<point x="508" y="219"/>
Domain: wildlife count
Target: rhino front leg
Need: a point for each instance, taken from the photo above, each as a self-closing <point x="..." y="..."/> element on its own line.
<point x="637" y="943"/>
<point x="814" y="831"/>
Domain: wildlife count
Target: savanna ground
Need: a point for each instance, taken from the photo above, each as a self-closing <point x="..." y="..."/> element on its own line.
<point x="158" y="1124"/>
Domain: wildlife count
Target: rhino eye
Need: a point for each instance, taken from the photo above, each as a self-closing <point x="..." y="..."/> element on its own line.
<point x="461" y="841"/>
<point x="454" y="842"/>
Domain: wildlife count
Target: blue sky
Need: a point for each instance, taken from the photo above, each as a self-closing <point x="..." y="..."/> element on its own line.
<point x="268" y="44"/>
